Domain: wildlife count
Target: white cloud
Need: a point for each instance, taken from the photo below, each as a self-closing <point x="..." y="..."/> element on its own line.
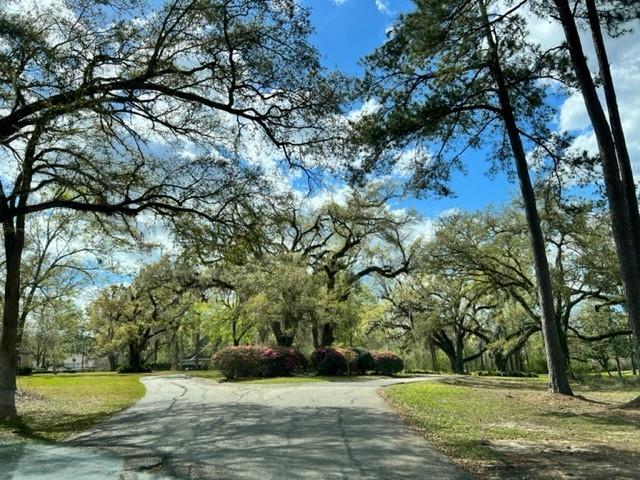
<point x="367" y="108"/>
<point x="624" y="58"/>
<point x="423" y="230"/>
<point x="383" y="6"/>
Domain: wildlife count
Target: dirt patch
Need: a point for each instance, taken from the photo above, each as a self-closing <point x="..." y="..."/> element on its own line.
<point x="25" y="396"/>
<point x="561" y="460"/>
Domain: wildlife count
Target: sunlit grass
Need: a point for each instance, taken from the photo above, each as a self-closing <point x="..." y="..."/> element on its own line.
<point x="466" y="415"/>
<point x="54" y="407"/>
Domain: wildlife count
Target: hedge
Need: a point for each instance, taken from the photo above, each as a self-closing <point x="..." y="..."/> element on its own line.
<point x="252" y="361"/>
<point x="334" y="361"/>
<point x="387" y="363"/>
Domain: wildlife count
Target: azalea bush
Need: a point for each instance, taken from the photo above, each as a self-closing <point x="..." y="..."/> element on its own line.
<point x="334" y="361"/>
<point x="386" y="363"/>
<point x="252" y="361"/>
<point x="239" y="362"/>
<point x="282" y="361"/>
<point x="364" y="360"/>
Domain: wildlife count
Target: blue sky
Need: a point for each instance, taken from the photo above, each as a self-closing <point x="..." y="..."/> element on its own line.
<point x="346" y="31"/>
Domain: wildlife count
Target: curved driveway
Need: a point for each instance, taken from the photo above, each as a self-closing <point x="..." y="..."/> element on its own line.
<point x="190" y="428"/>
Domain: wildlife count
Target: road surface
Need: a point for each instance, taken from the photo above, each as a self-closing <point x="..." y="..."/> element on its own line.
<point x="190" y="428"/>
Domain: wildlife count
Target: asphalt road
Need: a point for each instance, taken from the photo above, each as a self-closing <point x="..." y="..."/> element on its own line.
<point x="189" y="428"/>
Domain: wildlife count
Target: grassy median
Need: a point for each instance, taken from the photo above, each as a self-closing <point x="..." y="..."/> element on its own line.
<point x="54" y="407"/>
<point x="512" y="428"/>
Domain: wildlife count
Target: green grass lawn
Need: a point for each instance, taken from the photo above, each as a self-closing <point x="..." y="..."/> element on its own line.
<point x="53" y="407"/>
<point x="513" y="425"/>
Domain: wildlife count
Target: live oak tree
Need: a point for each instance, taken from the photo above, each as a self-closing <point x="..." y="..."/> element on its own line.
<point x="346" y="242"/>
<point x="443" y="308"/>
<point x="118" y="107"/>
<point x="455" y="76"/>
<point x="489" y="248"/>
<point x="155" y="304"/>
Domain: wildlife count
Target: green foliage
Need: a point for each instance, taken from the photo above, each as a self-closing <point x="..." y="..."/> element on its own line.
<point x="433" y="85"/>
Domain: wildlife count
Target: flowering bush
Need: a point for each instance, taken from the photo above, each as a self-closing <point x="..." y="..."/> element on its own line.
<point x="252" y="361"/>
<point x="334" y="361"/>
<point x="386" y="363"/>
<point x="239" y="362"/>
<point x="281" y="361"/>
<point x="364" y="360"/>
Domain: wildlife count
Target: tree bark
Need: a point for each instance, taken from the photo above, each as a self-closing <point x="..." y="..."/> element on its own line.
<point x="135" y="356"/>
<point x="326" y="335"/>
<point x="14" y="243"/>
<point x="113" y="361"/>
<point x="283" y="339"/>
<point x="623" y="207"/>
<point x="618" y="367"/>
<point x="558" y="379"/>
<point x="434" y="355"/>
<point x="501" y="361"/>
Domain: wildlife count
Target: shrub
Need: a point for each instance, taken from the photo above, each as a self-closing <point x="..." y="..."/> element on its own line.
<point x="387" y="363"/>
<point x="239" y="362"/>
<point x="334" y="361"/>
<point x="252" y="361"/>
<point x="281" y="361"/>
<point x="24" y="371"/>
<point x="364" y="360"/>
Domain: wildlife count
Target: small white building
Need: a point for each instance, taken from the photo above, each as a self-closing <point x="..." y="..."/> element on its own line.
<point x="79" y="363"/>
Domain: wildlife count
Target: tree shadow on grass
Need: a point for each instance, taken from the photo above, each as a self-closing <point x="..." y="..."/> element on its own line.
<point x="495" y="383"/>
<point x="54" y="426"/>
<point x="538" y="460"/>
<point x="613" y="418"/>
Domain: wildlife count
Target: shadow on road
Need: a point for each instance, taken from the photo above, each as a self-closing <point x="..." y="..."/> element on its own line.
<point x="255" y="441"/>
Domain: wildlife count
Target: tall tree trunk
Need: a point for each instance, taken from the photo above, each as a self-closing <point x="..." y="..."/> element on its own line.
<point x="558" y="379"/>
<point x="618" y="367"/>
<point x="457" y="362"/>
<point x="315" y="337"/>
<point x="618" y="179"/>
<point x="283" y="338"/>
<point x="500" y="360"/>
<point x="135" y="356"/>
<point x="434" y="355"/>
<point x="13" y="231"/>
<point x="113" y="361"/>
<point x="326" y="335"/>
<point x="624" y="161"/>
<point x="13" y="243"/>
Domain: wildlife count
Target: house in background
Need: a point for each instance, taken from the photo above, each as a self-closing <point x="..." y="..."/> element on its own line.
<point x="25" y="358"/>
<point x="79" y="363"/>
